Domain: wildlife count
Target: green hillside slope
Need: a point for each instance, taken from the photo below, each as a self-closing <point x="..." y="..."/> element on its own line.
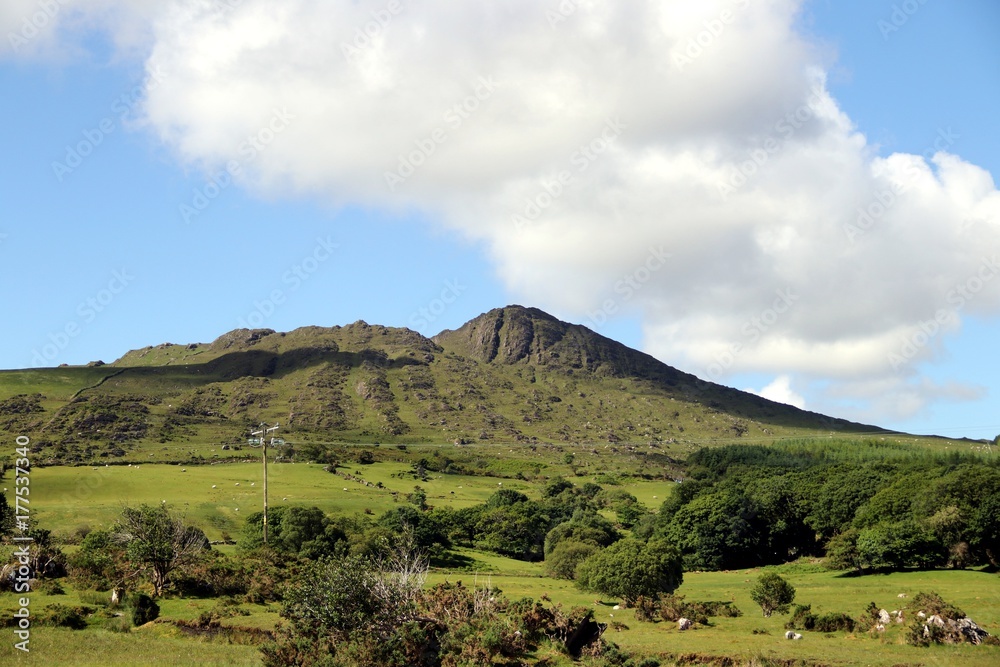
<point x="512" y="375"/>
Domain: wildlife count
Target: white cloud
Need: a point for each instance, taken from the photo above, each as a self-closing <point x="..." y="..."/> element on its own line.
<point x="730" y="155"/>
<point x="780" y="390"/>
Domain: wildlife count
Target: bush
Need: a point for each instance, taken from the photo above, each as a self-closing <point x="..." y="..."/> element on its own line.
<point x="834" y="622"/>
<point x="672" y="607"/>
<point x="562" y="561"/>
<point x="51" y="587"/>
<point x="144" y="609"/>
<point x="64" y="616"/>
<point x="120" y="624"/>
<point x="772" y="593"/>
<point x="802" y="618"/>
<point x="933" y="604"/>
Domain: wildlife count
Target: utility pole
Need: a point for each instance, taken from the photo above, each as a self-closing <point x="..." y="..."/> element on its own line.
<point x="262" y="434"/>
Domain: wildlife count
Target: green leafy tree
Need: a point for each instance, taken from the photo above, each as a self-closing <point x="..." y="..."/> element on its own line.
<point x="630" y="568"/>
<point x="772" y="593"/>
<point x="717" y="530"/>
<point x="517" y="530"/>
<point x="984" y="529"/>
<point x="898" y="544"/>
<point x="587" y="527"/>
<point x="157" y="542"/>
<point x="562" y="561"/>
<point x="842" y="551"/>
<point x="100" y="561"/>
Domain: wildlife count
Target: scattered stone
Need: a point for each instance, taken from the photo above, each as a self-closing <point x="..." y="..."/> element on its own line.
<point x="883" y="617"/>
<point x="902" y="595"/>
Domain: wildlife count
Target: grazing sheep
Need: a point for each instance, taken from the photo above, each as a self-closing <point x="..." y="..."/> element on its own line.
<point x="213" y="486"/>
<point x="683" y="624"/>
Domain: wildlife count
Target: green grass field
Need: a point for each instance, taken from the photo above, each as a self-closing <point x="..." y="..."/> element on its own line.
<point x="66" y="498"/>
<point x="976" y="592"/>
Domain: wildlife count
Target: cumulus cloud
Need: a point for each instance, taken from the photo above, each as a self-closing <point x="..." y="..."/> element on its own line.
<point x="780" y="390"/>
<point x="682" y="161"/>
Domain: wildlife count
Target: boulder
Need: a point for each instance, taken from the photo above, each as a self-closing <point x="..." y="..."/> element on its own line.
<point x="883" y="617"/>
<point x="683" y="624"/>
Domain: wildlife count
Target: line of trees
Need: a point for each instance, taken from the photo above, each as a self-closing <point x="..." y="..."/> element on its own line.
<point x="747" y="506"/>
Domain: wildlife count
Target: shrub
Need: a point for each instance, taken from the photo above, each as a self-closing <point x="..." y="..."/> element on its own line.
<point x="144" y="609"/>
<point x="834" y="622"/>
<point x="933" y="604"/>
<point x="64" y="616"/>
<point x="51" y="587"/>
<point x="802" y="618"/>
<point x="561" y="562"/>
<point x="772" y="593"/>
<point x="672" y="607"/>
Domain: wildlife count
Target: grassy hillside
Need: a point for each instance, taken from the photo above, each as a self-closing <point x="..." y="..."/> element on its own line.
<point x="513" y="375"/>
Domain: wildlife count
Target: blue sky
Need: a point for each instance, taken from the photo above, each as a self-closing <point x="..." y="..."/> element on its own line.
<point x="98" y="258"/>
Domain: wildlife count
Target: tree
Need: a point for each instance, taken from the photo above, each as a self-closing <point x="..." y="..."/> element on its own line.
<point x="157" y="542"/>
<point x="898" y="544"/>
<point x="100" y="562"/>
<point x="772" y="593"/>
<point x="561" y="562"/>
<point x="630" y="568"/>
<point x="6" y="515"/>
<point x="985" y="529"/>
<point x="588" y="527"/>
<point x="718" y="530"/>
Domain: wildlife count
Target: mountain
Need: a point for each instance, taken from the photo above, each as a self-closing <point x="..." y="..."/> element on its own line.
<point x="512" y="375"/>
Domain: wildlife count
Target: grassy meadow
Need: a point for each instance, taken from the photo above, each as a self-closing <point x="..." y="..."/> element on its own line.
<point x="66" y="499"/>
